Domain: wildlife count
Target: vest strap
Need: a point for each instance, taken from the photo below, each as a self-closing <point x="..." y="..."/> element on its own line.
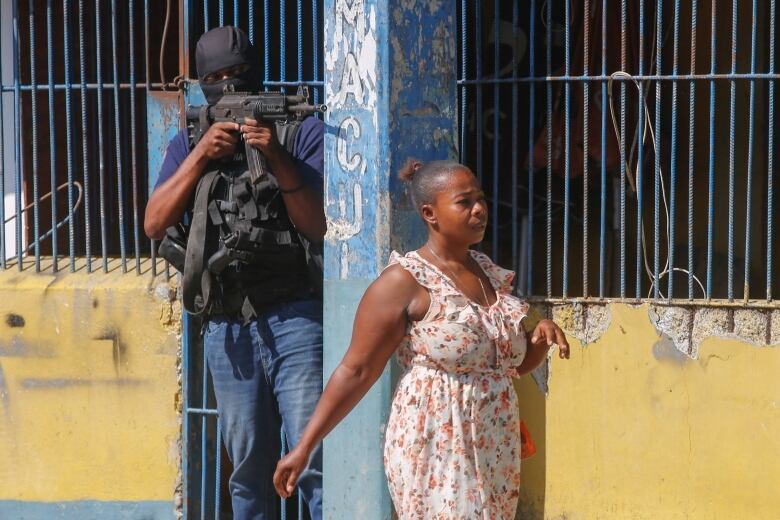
<point x="197" y="281"/>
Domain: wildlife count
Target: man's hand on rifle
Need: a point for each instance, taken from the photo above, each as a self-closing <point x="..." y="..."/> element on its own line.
<point x="219" y="141"/>
<point x="262" y="136"/>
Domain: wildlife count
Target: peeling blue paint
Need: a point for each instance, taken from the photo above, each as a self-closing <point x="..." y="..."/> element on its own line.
<point x="162" y="124"/>
<point x="423" y="104"/>
<point x="390" y="87"/>
<point x="356" y="158"/>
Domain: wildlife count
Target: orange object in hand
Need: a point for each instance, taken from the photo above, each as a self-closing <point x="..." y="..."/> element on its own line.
<point x="527" y="446"/>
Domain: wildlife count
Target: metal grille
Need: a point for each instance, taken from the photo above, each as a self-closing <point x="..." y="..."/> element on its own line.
<point x="616" y="164"/>
<point x="75" y="77"/>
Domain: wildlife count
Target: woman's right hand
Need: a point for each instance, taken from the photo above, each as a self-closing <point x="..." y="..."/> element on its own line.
<point x="288" y="470"/>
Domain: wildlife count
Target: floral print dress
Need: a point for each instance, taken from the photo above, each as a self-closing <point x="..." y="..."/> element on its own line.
<point x="452" y="445"/>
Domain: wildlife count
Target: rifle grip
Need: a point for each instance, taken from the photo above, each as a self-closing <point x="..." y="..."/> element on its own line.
<point x="258" y="167"/>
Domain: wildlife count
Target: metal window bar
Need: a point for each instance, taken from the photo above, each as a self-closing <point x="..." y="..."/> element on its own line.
<point x="603" y="191"/>
<point x="90" y="140"/>
<point x="640" y="158"/>
<point x="691" y="149"/>
<point x="617" y="108"/>
<point x="202" y="459"/>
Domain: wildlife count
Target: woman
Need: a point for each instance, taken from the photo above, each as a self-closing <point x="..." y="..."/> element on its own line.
<point x="452" y="447"/>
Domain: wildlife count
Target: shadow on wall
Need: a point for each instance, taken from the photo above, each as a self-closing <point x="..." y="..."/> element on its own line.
<point x="533" y="412"/>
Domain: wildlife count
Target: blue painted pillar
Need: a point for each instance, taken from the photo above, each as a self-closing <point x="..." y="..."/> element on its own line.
<point x="390" y="85"/>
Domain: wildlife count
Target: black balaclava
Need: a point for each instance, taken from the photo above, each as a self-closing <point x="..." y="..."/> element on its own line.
<point x="221" y="48"/>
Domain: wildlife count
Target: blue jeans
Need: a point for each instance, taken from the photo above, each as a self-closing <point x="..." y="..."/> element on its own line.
<point x="267" y="374"/>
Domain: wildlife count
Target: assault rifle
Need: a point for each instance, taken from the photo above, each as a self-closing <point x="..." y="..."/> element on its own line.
<point x="236" y="107"/>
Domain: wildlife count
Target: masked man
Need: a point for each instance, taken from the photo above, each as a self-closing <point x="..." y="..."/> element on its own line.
<point x="263" y="323"/>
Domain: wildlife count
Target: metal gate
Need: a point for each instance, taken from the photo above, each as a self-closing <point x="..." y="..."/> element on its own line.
<point x="618" y="165"/>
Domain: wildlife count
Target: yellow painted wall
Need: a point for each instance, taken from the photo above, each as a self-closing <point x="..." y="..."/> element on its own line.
<point x="633" y="430"/>
<point x="88" y="387"/>
<point x="629" y="430"/>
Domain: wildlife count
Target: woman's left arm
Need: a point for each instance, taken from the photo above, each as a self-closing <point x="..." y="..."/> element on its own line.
<point x="545" y="335"/>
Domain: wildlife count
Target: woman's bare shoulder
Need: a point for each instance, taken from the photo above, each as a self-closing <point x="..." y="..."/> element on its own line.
<point x="396" y="279"/>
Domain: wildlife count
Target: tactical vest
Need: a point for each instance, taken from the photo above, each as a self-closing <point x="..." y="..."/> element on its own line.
<point x="241" y="253"/>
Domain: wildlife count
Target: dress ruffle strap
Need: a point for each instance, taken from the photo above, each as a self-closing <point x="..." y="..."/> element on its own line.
<point x="426" y="277"/>
<point x="417" y="269"/>
<point x="500" y="278"/>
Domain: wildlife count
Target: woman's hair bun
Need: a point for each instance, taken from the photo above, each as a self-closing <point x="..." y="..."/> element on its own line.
<point x="409" y="169"/>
